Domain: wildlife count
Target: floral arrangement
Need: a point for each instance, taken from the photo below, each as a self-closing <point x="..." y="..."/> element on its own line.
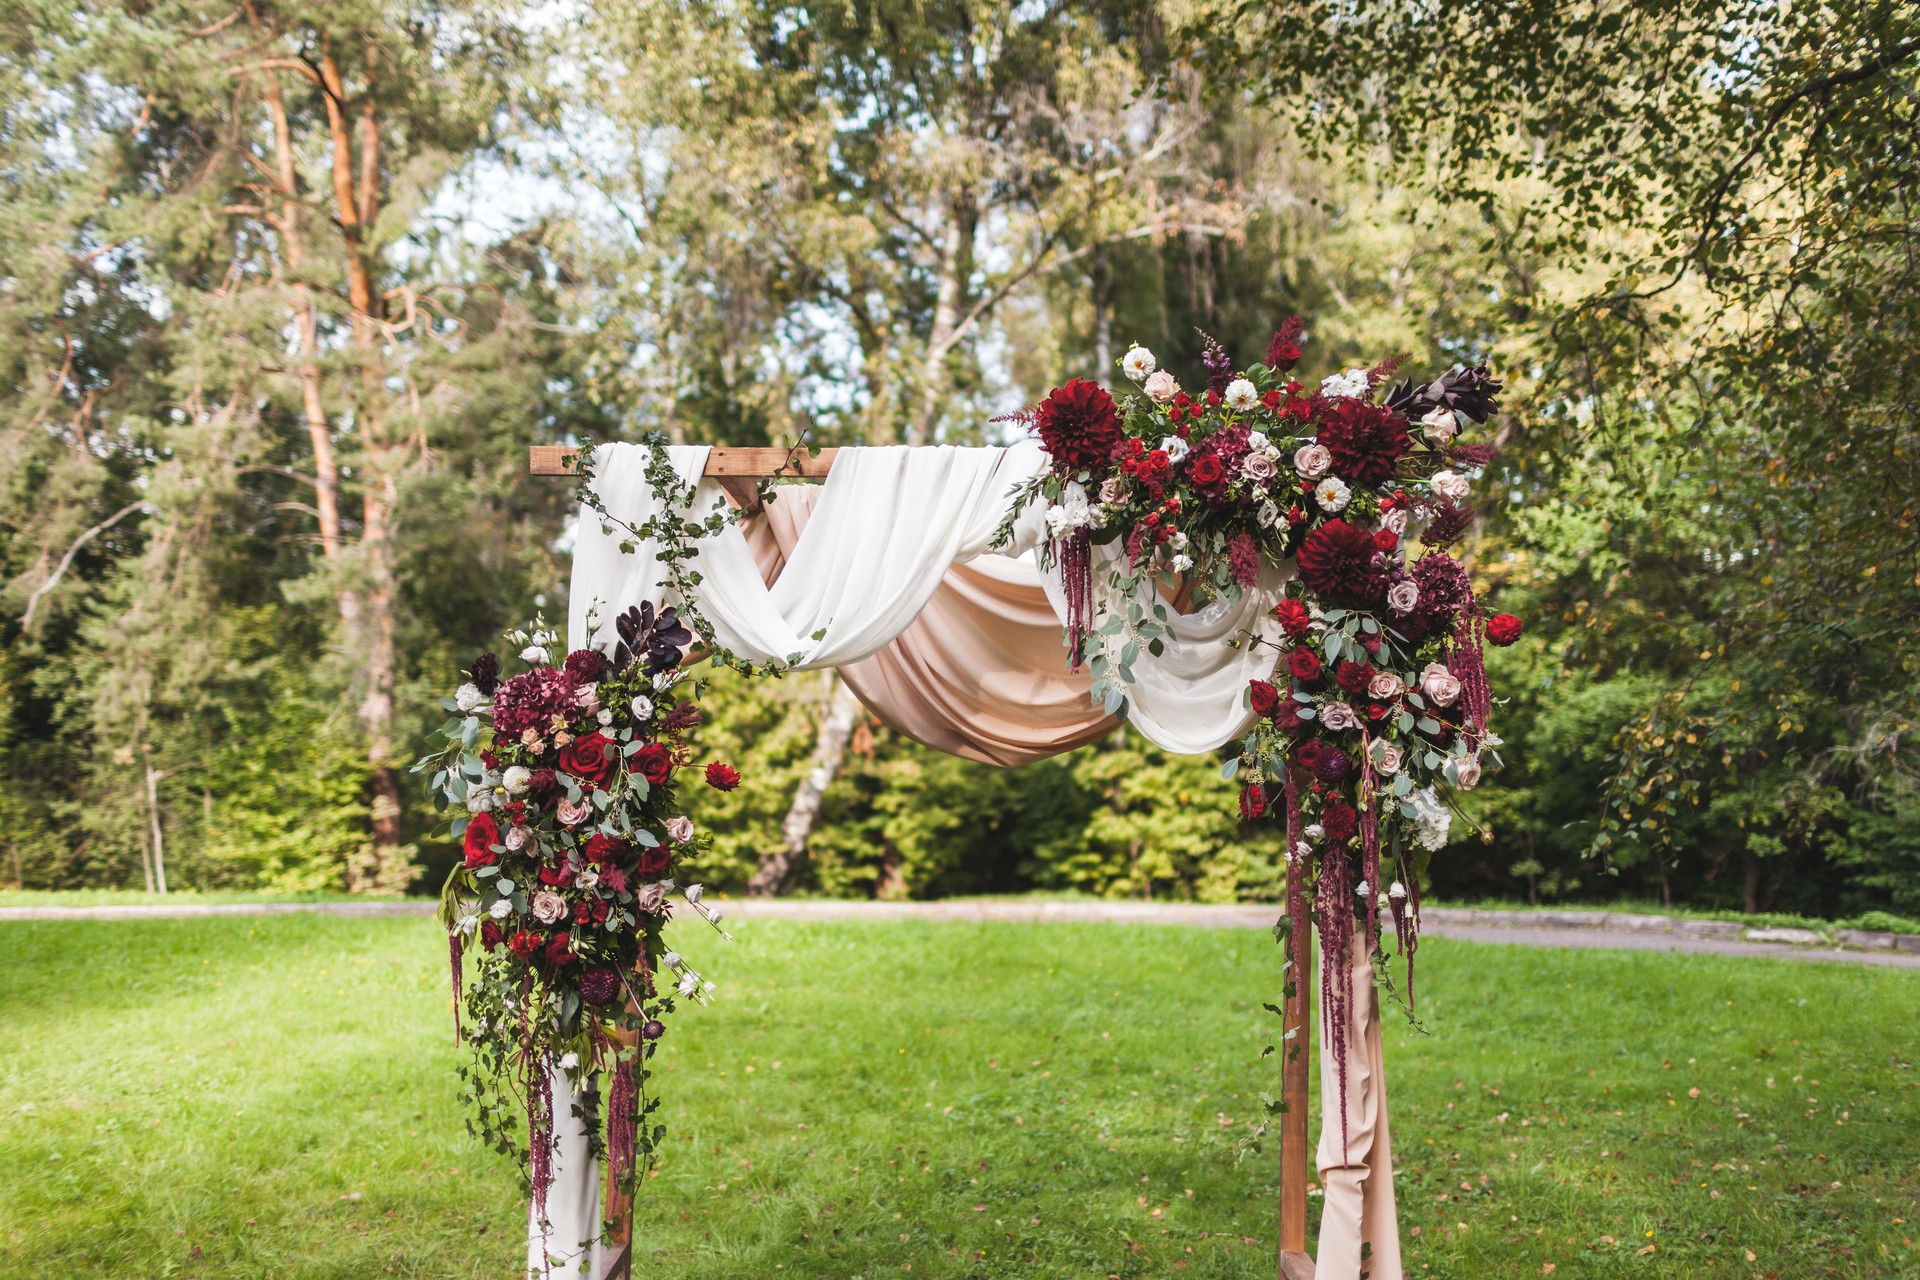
<point x="561" y="783"/>
<point x="1378" y="707"/>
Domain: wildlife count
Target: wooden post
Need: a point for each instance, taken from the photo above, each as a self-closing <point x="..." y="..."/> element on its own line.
<point x="1296" y="1064"/>
<point x="737" y="470"/>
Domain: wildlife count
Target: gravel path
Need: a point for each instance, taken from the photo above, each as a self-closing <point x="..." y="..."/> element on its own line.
<point x="1571" y="929"/>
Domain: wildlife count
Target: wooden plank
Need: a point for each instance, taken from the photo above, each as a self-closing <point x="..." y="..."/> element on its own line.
<point x="1296" y="1061"/>
<point x="547" y="460"/>
<point x="620" y="1265"/>
<point x="1296" y="1266"/>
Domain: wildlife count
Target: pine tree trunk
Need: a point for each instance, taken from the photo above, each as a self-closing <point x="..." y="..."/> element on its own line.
<point x="777" y="867"/>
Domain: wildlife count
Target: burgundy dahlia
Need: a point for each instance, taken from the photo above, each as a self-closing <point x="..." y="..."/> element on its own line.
<point x="600" y="985"/>
<point x="486" y="673"/>
<point x="1365" y="440"/>
<point x="584" y="666"/>
<point x="1079" y="426"/>
<point x="530" y="701"/>
<point x="653" y="1029"/>
<point x="1339" y="820"/>
<point x="1338" y="562"/>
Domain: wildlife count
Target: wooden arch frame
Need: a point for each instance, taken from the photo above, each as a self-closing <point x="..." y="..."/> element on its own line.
<point x="739" y="472"/>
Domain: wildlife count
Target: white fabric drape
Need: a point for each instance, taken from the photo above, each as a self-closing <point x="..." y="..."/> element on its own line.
<point x="573" y="1200"/>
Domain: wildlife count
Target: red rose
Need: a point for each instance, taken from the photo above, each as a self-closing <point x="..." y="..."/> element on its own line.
<point x="1353" y="676"/>
<point x="1503" y="629"/>
<point x="1339" y="821"/>
<point x="557" y="877"/>
<point x="1294" y="617"/>
<point x="1304" y="663"/>
<point x="1263" y="697"/>
<point x="1206" y="471"/>
<point x="559" y="950"/>
<point x="524" y="945"/>
<point x="1385" y="539"/>
<point x="582" y="913"/>
<point x="490" y="934"/>
<point x="1378" y="710"/>
<point x="482" y="833"/>
<point x="655" y="861"/>
<point x="604" y="848"/>
<point x="1272" y="399"/>
<point x="1253" y="801"/>
<point x="722" y="777"/>
<point x="589" y="758"/>
<point x="652" y="762"/>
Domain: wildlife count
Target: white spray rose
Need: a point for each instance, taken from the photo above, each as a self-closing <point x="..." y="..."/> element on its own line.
<point x="1441" y="425"/>
<point x="1451" y="485"/>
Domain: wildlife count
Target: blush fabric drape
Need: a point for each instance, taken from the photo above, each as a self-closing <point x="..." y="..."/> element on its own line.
<point x="888" y="573"/>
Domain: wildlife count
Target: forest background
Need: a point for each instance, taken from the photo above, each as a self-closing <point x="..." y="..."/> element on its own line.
<point x="286" y="289"/>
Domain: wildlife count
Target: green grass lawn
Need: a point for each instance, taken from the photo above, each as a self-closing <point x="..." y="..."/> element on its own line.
<point x="273" y="1098"/>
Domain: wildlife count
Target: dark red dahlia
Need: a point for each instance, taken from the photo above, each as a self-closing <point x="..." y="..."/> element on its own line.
<point x="1337" y="562"/>
<point x="1293" y="616"/>
<point x="530" y="701"/>
<point x="1079" y="426"/>
<point x="1365" y="440"/>
<point x="722" y="777"/>
<point x="584" y="666"/>
<point x="600" y="985"/>
<point x="1339" y="820"/>
<point x="1353" y="676"/>
<point x="486" y="673"/>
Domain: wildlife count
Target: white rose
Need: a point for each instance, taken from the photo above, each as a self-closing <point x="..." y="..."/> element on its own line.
<point x="1138" y="363"/>
<point x="1441" y="425"/>
<point x="671" y="959"/>
<point x="642" y="706"/>
<point x="479" y="800"/>
<point x="1175" y="448"/>
<point x="1451" y="485"/>
<point x="1440" y="685"/>
<point x="1258" y="440"/>
<point x="1182" y="563"/>
<point x="569" y="1061"/>
<point x="1385" y="685"/>
<point x="1332" y="494"/>
<point x="1403" y="596"/>
<point x="1349" y="385"/>
<point x="500" y="909"/>
<point x="1241" y="395"/>
<point x="469" y="698"/>
<point x="1268" y="515"/>
<point x="1161" y="387"/>
<point x="1315" y="832"/>
<point x="1395" y="521"/>
<point x="1312" y="460"/>
<point x="1338" y="716"/>
<point x="534" y="656"/>
<point x="1386" y="758"/>
<point x="548" y="906"/>
<point x="516" y="778"/>
<point x="689" y="983"/>
<point x="605" y="717"/>
<point x="680" y="828"/>
<point x="1466" y="772"/>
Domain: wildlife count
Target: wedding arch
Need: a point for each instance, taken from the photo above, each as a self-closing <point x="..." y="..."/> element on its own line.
<point x="1244" y="578"/>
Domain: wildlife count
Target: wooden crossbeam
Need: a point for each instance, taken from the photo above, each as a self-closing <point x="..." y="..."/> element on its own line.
<point x="738" y="470"/>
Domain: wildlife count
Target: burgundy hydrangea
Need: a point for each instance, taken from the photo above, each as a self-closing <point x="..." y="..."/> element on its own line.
<point x="1243" y="557"/>
<point x="1079" y="426"/>
<point x="1339" y="562"/>
<point x="1365" y="440"/>
<point x="530" y="701"/>
<point x="1444" y="590"/>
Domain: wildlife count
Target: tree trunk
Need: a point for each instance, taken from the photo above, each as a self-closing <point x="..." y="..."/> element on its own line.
<point x="777" y="867"/>
<point x="1750" y="886"/>
<point x="154" y="777"/>
<point x="956" y="259"/>
<point x="1101" y="291"/>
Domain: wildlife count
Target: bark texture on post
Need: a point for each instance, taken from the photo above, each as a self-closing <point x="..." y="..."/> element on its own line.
<point x="777" y="868"/>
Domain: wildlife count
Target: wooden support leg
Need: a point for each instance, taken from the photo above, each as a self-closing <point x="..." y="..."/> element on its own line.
<point x="619" y="1210"/>
<point x="1296" y="1061"/>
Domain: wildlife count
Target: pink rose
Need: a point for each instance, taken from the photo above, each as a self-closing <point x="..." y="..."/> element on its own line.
<point x="1258" y="468"/>
<point x="548" y="906"/>
<point x="1312" y="460"/>
<point x="1338" y="716"/>
<point x="1395" y="521"/>
<point x="1439" y="684"/>
<point x="680" y="829"/>
<point x="651" y="898"/>
<point x="1113" y="491"/>
<point x="1466" y="772"/>
<point x="1386" y="758"/>
<point x="1403" y="596"/>
<point x="1385" y="685"/>
<point x="571" y="814"/>
<point x="1441" y="425"/>
<point x="517" y="838"/>
<point x="1161" y="386"/>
